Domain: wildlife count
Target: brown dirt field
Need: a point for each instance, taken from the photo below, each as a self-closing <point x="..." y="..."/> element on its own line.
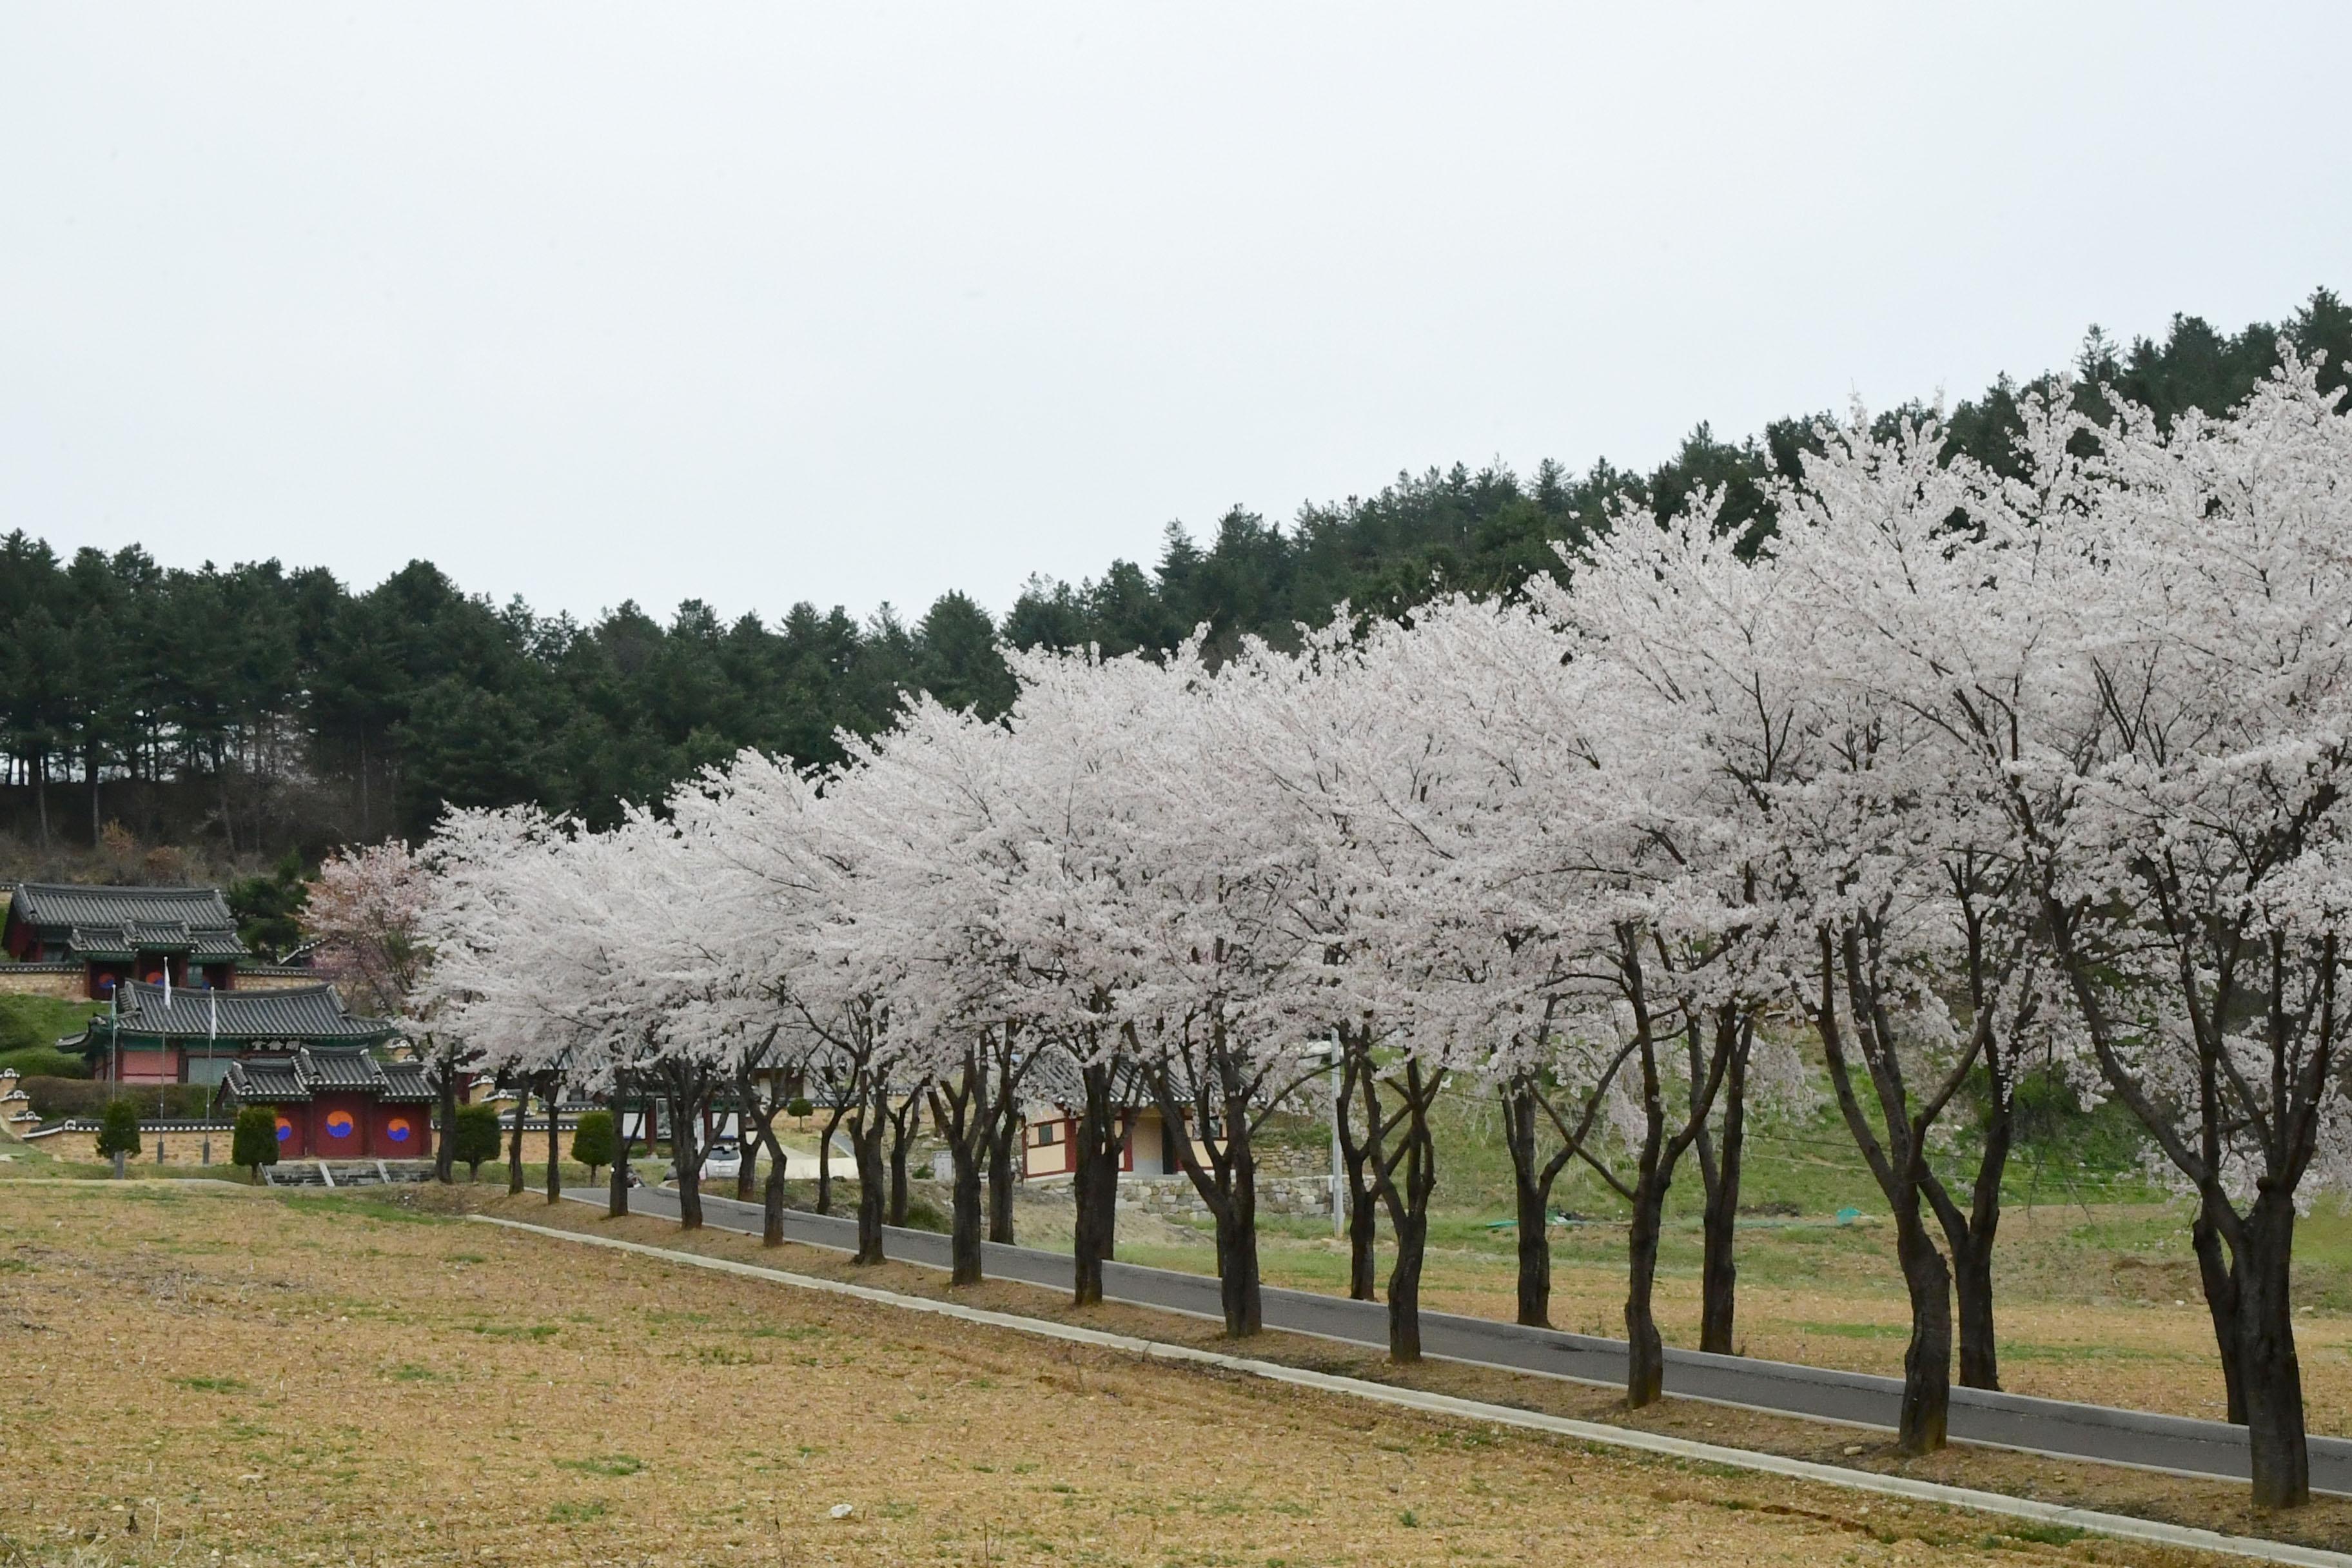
<point x="2327" y="1522"/>
<point x="213" y="1377"/>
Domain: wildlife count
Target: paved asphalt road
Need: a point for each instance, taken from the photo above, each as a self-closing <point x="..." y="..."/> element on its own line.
<point x="2040" y="1426"/>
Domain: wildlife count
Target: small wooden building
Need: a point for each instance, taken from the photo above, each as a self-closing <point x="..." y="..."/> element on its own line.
<point x="1053" y="1097"/>
<point x="335" y="1102"/>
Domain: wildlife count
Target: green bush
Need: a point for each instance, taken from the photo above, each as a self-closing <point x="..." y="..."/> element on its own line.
<point x="117" y="1131"/>
<point x="53" y="1098"/>
<point x="924" y="1214"/>
<point x="43" y="1061"/>
<point x="476" y="1138"/>
<point x="591" y="1140"/>
<point x="798" y="1108"/>
<point x="256" y="1140"/>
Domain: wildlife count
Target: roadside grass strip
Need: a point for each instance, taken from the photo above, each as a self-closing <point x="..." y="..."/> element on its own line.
<point x="2122" y="1527"/>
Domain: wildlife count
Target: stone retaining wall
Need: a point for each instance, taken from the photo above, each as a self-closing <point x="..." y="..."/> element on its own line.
<point x="62" y="982"/>
<point x="1176" y="1197"/>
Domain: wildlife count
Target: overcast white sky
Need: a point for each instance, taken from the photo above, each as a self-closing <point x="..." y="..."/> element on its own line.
<point x="852" y="303"/>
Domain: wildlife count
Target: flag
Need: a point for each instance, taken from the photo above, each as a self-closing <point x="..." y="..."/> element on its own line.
<point x="212" y="1031"/>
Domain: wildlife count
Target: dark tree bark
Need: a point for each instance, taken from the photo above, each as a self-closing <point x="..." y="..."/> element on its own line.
<point x="2225" y="971"/>
<point x="1094" y="1181"/>
<point x="1404" y="1167"/>
<point x="1355" y="1164"/>
<point x="514" y="1141"/>
<point x="553" y="1091"/>
<point x="1531" y="1180"/>
<point x="616" y="1198"/>
<point x="1001" y="1150"/>
<point x="832" y="1120"/>
<point x="964" y="1114"/>
<point x="903" y="1119"/>
<point x="2275" y="1439"/>
<point x="2222" y="1306"/>
<point x="445" y="1157"/>
<point x="1896" y="1151"/>
<point x="868" y="1129"/>
<point x="688" y="1087"/>
<point x="1230" y="1087"/>
<point x="1720" y="1167"/>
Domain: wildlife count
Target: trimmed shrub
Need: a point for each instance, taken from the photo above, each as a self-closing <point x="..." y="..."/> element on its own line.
<point x="255" y="1143"/>
<point x="53" y="1099"/>
<point x="118" y="1132"/>
<point x="591" y="1140"/>
<point x="798" y="1108"/>
<point x="44" y="1061"/>
<point x="476" y="1138"/>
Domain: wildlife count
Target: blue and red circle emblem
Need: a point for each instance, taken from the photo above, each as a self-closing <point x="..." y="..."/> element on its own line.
<point x="285" y="1131"/>
<point x="397" y="1128"/>
<point x="339" y="1124"/>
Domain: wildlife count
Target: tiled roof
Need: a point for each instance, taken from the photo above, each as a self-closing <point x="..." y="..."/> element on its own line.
<point x="263" y="1080"/>
<point x="57" y="908"/>
<point x="406" y="1081"/>
<point x="308" y="1013"/>
<point x="1053" y="1079"/>
<point x="340" y="1068"/>
<point x="313" y="1070"/>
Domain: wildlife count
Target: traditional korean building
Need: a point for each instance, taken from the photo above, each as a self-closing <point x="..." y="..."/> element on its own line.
<point x="1053" y="1099"/>
<point x="335" y="1102"/>
<point x="86" y="940"/>
<point x="158" y="1033"/>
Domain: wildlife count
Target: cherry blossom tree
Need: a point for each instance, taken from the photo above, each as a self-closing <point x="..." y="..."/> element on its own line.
<point x="366" y="910"/>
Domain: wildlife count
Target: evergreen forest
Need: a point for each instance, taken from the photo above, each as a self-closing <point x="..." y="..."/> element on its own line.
<point x="259" y="712"/>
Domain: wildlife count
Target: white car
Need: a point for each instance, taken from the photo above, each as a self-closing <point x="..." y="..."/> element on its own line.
<point x="724" y="1162"/>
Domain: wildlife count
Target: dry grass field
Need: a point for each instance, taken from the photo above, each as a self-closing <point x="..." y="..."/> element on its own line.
<point x="193" y="1375"/>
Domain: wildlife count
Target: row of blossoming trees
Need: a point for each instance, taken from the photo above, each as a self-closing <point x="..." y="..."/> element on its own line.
<point x="1969" y="775"/>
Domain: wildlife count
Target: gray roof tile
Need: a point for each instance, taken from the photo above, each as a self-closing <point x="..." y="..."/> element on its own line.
<point x="58" y="907"/>
<point x="308" y="1013"/>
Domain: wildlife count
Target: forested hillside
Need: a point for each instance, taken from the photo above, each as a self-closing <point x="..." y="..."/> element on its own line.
<point x="257" y="709"/>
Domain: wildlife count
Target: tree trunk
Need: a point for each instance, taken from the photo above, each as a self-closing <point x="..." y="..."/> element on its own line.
<point x="2222" y="1306"/>
<point x="1719" y="1171"/>
<point x="1927" y="1360"/>
<point x="687" y="1161"/>
<point x="1363" y="1214"/>
<point x="1227" y="1184"/>
<point x="1972" y="1285"/>
<point x="616" y="1197"/>
<point x="824" y="1160"/>
<point x="445" y="1157"/>
<point x="514" y="1145"/>
<point x="554" y="1167"/>
<point x="1532" y="1189"/>
<point x="1095" y="1185"/>
<point x="1645" y="1351"/>
<point x="1405" y="1181"/>
<point x="1404" y="1287"/>
<point x="746" y="1173"/>
<point x="2275" y="1439"/>
<point x="866" y="1135"/>
<point x="771" y="1206"/>
<point x="1005" y="1131"/>
<point x="902" y="1138"/>
<point x="964" y="1232"/>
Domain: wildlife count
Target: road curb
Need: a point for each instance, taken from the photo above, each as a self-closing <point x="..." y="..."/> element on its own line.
<point x="2116" y="1526"/>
